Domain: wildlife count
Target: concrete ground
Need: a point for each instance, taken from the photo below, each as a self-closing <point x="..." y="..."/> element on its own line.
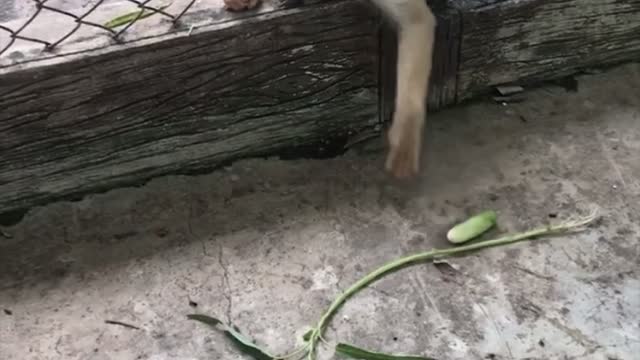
<point x="268" y="244"/>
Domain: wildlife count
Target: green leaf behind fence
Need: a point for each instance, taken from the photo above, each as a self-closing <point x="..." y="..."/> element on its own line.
<point x="129" y="17"/>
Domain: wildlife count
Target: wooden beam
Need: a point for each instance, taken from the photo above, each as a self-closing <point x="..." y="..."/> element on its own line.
<point x="299" y="80"/>
<point x="528" y="41"/>
<point x="484" y="43"/>
<point x="287" y="79"/>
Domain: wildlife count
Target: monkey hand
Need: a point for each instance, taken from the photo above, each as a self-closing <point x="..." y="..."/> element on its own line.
<point x="405" y="142"/>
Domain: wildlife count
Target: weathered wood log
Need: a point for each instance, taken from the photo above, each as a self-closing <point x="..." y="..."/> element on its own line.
<point x="303" y="79"/>
<point x="528" y="41"/>
<point x="484" y="43"/>
<point x="300" y="80"/>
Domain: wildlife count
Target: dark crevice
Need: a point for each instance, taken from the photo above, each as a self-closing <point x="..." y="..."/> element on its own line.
<point x="319" y="148"/>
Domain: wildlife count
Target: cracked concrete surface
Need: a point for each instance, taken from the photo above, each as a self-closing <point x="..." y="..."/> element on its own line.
<point x="268" y="244"/>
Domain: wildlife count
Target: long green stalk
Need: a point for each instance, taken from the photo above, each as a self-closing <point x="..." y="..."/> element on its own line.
<point x="314" y="337"/>
<point x="396" y="264"/>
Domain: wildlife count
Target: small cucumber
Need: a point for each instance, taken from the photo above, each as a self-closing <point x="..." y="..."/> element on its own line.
<point x="472" y="227"/>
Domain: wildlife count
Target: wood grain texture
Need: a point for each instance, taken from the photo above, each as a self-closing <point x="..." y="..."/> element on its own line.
<point x="291" y="78"/>
<point x="527" y="41"/>
<point x="303" y="78"/>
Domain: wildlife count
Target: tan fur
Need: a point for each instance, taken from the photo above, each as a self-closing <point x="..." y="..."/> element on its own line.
<point x="415" y="24"/>
<point x="416" y="27"/>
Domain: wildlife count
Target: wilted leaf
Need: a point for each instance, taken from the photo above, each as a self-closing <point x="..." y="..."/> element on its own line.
<point x="358" y="353"/>
<point x="204" y="319"/>
<point x="242" y="342"/>
<point x="446" y="268"/>
<point x="129" y="17"/>
<point x="247" y="345"/>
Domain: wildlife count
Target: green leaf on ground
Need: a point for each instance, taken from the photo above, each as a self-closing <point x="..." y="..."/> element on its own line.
<point x="242" y="342"/>
<point x="361" y="354"/>
<point x="205" y="319"/>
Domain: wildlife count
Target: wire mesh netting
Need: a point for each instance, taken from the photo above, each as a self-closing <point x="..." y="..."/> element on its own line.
<point x="50" y="23"/>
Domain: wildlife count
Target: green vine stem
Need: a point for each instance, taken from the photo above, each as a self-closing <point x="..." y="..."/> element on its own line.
<point x="436" y="253"/>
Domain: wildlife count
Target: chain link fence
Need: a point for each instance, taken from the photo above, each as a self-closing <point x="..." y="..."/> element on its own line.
<point x="41" y="20"/>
